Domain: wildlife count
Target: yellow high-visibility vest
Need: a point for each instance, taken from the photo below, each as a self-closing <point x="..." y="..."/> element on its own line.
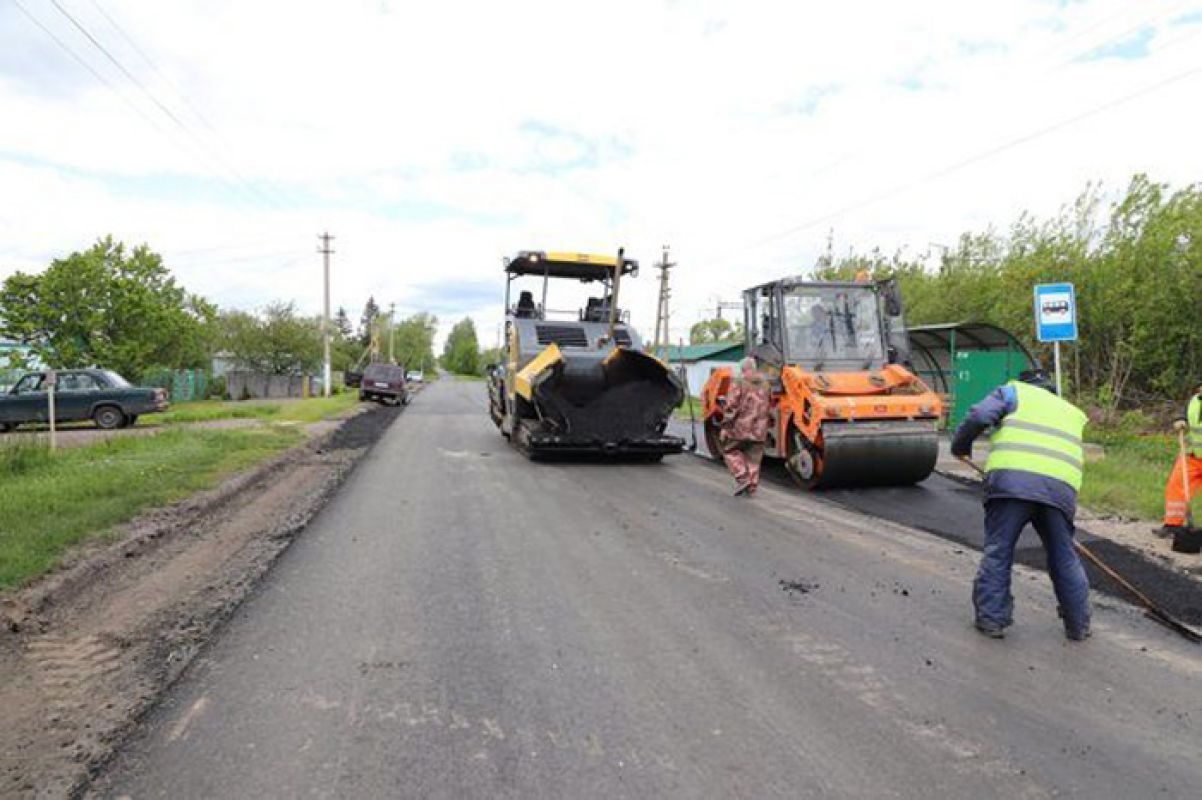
<point x="1193" y="415"/>
<point x="1042" y="436"/>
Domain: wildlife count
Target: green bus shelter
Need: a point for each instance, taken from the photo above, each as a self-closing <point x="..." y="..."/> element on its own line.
<point x="964" y="361"/>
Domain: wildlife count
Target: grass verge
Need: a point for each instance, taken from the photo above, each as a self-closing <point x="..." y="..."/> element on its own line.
<point x="682" y="410"/>
<point x="309" y="410"/>
<point x="1130" y="479"/>
<point x="50" y="502"/>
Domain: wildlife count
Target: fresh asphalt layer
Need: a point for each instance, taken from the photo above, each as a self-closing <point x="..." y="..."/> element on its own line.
<point x="461" y="622"/>
<point x="952" y="509"/>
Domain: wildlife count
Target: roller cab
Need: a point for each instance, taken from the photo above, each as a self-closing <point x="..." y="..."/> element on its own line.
<point x="847" y="409"/>
<point x="580" y="385"/>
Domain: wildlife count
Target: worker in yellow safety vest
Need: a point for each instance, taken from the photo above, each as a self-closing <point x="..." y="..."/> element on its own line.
<point x="1188" y="468"/>
<point x="1033" y="474"/>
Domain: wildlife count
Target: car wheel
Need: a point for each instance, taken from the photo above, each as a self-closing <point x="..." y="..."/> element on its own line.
<point x="108" y="418"/>
<point x="5" y="427"/>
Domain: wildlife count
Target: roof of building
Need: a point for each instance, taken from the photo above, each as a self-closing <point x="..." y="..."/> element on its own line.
<point x="717" y="351"/>
<point x="966" y="336"/>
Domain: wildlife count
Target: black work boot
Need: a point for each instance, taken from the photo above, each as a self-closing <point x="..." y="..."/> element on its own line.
<point x="991" y="629"/>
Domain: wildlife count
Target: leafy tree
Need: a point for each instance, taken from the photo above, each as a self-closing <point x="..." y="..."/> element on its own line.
<point x="413" y="340"/>
<point x="276" y="341"/>
<point x="709" y="331"/>
<point x="461" y="352"/>
<point x="1137" y="267"/>
<point x="107" y="306"/>
<point x="493" y="355"/>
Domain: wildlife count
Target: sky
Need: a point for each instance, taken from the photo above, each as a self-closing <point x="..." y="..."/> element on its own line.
<point x="433" y="139"/>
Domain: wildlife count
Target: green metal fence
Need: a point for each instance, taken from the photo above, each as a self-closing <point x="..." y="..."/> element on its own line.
<point x="184" y="384"/>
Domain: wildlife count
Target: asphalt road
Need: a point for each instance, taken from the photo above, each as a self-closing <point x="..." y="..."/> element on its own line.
<point x="953" y="510"/>
<point x="460" y="622"/>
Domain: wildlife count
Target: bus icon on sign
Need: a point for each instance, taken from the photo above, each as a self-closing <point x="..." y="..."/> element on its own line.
<point x="1055" y="312"/>
<point x="1055" y="308"/>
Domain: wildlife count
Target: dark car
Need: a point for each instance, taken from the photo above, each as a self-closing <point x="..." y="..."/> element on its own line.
<point x="384" y="383"/>
<point x="100" y="395"/>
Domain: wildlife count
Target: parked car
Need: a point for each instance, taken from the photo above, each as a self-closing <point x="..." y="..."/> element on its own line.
<point x="415" y="376"/>
<point x="100" y="395"/>
<point x="384" y="383"/>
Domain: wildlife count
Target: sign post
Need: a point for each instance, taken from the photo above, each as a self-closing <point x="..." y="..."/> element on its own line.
<point x="51" y="381"/>
<point x="1056" y="318"/>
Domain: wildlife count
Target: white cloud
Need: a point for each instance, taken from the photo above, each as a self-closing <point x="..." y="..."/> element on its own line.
<point x="432" y="139"/>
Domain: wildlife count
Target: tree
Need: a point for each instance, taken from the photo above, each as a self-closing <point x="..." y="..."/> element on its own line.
<point x="1137" y="268"/>
<point x="110" y="307"/>
<point x="493" y="355"/>
<point x="367" y="322"/>
<point x="461" y="352"/>
<point x="709" y="331"/>
<point x="276" y="341"/>
<point x="414" y="341"/>
<point x="342" y="324"/>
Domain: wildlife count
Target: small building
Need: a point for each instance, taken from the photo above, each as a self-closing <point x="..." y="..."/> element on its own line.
<point x="699" y="360"/>
<point x="964" y="361"/>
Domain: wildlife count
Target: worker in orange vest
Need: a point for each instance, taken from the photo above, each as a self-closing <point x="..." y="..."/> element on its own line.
<point x="1188" y="465"/>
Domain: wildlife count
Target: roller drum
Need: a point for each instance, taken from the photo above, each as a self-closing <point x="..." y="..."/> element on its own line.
<point x="878" y="453"/>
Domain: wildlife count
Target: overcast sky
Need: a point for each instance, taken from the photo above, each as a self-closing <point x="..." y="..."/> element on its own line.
<point x="432" y="139"/>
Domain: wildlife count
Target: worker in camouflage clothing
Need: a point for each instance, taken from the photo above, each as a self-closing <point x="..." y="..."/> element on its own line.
<point x="745" y="416"/>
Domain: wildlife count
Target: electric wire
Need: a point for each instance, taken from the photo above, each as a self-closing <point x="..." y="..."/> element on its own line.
<point x="171" y="115"/>
<point x="200" y="116"/>
<point x="978" y="157"/>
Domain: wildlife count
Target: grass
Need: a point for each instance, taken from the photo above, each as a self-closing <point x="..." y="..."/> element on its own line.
<point x="50" y="502"/>
<point x="1130" y="479"/>
<point x="682" y="410"/>
<point x="309" y="410"/>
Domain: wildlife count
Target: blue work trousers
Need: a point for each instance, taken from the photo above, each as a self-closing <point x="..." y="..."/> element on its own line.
<point x="1005" y="519"/>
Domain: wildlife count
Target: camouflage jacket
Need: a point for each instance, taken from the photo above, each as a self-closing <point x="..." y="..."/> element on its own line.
<point x="747" y="409"/>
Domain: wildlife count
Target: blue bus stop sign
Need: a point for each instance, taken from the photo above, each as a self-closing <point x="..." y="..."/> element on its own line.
<point x="1056" y="312"/>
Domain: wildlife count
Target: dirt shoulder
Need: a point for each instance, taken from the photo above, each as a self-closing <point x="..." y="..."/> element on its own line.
<point x="86" y="651"/>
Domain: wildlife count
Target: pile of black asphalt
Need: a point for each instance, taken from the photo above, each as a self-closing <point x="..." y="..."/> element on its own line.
<point x="952" y="509"/>
<point x="365" y="428"/>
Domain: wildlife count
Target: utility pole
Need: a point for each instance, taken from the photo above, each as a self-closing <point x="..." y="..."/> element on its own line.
<point x="326" y="252"/>
<point x="391" y="334"/>
<point x="662" y="312"/>
<point x="725" y="305"/>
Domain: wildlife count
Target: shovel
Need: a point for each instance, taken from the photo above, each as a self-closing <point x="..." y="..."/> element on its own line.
<point x="1151" y="609"/>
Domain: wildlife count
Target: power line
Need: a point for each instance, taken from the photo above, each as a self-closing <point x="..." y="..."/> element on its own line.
<point x="80" y="60"/>
<point x="250" y="188"/>
<point x="170" y="85"/>
<point x="145" y="58"/>
<point x="102" y="78"/>
<point x="982" y="156"/>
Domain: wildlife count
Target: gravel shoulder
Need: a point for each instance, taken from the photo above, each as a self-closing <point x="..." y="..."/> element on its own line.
<point x="85" y="651"/>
